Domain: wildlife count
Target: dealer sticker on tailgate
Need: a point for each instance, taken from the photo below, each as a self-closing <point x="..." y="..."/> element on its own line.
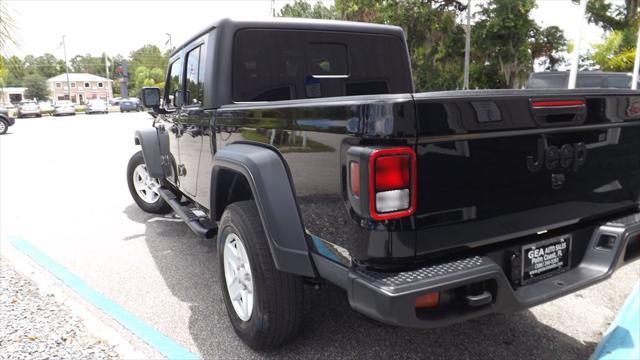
<point x="545" y="258"/>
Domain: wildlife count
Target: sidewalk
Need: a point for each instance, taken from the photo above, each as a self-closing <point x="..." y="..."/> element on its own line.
<point x="35" y="326"/>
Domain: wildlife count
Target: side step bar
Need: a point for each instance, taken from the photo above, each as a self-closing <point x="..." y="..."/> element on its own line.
<point x="191" y="219"/>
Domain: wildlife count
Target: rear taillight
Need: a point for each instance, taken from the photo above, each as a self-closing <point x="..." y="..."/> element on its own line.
<point x="392" y="183"/>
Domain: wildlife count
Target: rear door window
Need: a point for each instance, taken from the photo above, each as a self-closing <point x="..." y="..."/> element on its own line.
<point x="195" y="77"/>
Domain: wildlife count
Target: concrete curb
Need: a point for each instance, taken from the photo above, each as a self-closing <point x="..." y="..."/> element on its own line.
<point x="47" y="284"/>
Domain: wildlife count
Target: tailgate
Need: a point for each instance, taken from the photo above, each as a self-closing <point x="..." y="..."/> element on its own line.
<point x="494" y="165"/>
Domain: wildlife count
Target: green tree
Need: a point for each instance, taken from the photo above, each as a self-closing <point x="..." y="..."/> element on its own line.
<point x="15" y="71"/>
<point x="613" y="16"/>
<point x="620" y="21"/>
<point x="45" y="65"/>
<point x="36" y="87"/>
<point x="547" y="45"/>
<point x="501" y="39"/>
<point x="88" y="64"/>
<point x="303" y="9"/>
<point x="149" y="56"/>
<point x="3" y="72"/>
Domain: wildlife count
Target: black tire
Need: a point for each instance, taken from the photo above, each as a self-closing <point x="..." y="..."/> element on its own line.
<point x="278" y="304"/>
<point x="158" y="207"/>
<point x="3" y="129"/>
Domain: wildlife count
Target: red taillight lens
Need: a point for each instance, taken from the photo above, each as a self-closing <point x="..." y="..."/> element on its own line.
<point x="392" y="172"/>
<point x="354" y="178"/>
<point x="392" y="185"/>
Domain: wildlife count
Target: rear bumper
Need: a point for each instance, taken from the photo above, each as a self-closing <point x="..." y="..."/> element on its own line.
<point x="64" y="112"/>
<point x="391" y="297"/>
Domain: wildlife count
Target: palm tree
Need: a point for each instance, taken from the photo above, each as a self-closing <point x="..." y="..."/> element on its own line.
<point x="7" y="27"/>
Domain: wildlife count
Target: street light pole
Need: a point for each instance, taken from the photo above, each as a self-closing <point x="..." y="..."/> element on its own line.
<point x="467" y="48"/>
<point x="575" y="55"/>
<point x="169" y="41"/>
<point x="636" y="65"/>
<point x="106" y="68"/>
<point x="66" y="65"/>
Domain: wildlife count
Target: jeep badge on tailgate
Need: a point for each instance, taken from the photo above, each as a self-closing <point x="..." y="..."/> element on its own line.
<point x="555" y="158"/>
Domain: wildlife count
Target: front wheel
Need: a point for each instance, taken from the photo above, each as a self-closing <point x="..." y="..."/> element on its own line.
<point x="144" y="188"/>
<point x="3" y="127"/>
<point x="265" y="305"/>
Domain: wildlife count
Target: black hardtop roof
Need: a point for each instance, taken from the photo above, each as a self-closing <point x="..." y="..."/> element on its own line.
<point x="296" y="24"/>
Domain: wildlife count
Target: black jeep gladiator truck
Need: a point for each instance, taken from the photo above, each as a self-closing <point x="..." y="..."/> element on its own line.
<point x="302" y="148"/>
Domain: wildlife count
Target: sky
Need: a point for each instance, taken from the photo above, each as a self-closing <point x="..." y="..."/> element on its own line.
<point x="119" y="27"/>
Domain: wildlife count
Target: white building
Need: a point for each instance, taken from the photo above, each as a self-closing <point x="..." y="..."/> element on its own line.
<point x="84" y="87"/>
<point x="11" y="95"/>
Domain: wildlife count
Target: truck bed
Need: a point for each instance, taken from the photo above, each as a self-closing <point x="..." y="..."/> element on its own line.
<point x="475" y="186"/>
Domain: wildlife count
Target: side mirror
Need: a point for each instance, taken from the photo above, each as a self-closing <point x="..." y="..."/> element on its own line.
<point x="151" y="97"/>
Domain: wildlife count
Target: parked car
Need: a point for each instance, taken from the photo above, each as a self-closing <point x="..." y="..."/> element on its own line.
<point x="127" y="105"/>
<point x="45" y="107"/>
<point x="115" y="101"/>
<point x="5" y="120"/>
<point x="28" y="108"/>
<point x="96" y="107"/>
<point x="584" y="80"/>
<point x="64" y="107"/>
<point x="304" y="151"/>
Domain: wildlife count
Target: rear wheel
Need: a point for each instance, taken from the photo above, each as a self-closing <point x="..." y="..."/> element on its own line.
<point x="265" y="305"/>
<point x="144" y="188"/>
<point x="3" y="127"/>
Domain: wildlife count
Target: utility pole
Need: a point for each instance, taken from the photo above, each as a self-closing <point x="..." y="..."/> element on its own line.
<point x="273" y="8"/>
<point x="636" y="65"/>
<point x="66" y="66"/>
<point x="106" y="69"/>
<point x="467" y="48"/>
<point x="575" y="55"/>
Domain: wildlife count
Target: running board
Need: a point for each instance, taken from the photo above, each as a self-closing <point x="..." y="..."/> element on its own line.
<point x="191" y="219"/>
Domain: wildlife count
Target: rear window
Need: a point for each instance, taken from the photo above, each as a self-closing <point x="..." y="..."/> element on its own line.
<point x="271" y="65"/>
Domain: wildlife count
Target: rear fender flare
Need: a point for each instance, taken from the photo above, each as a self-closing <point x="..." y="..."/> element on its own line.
<point x="268" y="177"/>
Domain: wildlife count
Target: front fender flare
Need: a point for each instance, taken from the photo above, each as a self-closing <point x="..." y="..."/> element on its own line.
<point x="268" y="178"/>
<point x="149" y="141"/>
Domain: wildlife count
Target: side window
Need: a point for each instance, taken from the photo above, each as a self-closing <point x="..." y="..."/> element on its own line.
<point x="589" y="82"/>
<point x="195" y="76"/>
<point x="173" y="87"/>
<point x="619" y="82"/>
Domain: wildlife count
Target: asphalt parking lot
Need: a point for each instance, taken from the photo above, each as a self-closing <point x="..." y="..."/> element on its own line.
<point x="63" y="189"/>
